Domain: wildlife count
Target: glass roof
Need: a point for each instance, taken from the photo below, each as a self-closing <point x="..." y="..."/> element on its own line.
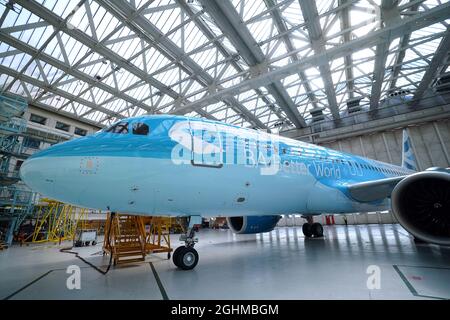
<point x="102" y="60"/>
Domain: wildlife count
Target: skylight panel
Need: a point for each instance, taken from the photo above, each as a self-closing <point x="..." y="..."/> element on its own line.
<point x="207" y="57"/>
<point x="325" y="5"/>
<point x="75" y="87"/>
<point x="5" y="80"/>
<point x="363" y="54"/>
<point x="100" y="95"/>
<point x="289" y="81"/>
<point x="74" y="49"/>
<point x="292" y="13"/>
<point x="194" y="38"/>
<point x="61" y="8"/>
<point x="125" y="78"/>
<point x="165" y="20"/>
<point x="117" y="105"/>
<point x="80" y="108"/>
<point x="127" y="48"/>
<point x="314" y="78"/>
<point x="279" y="52"/>
<point x="35" y="37"/>
<point x="105" y="23"/>
<point x="155" y="60"/>
<point x="140" y="92"/>
<point x="139" y="112"/>
<point x="80" y="20"/>
<point x="51" y="73"/>
<point x="433" y="3"/>
<point x="95" y="116"/>
<point x="166" y="100"/>
<point x="228" y="79"/>
<point x="15" y="62"/>
<point x="252" y="8"/>
<point x="57" y="102"/>
<point x="214" y="107"/>
<point x="262" y="30"/>
<point x="32" y="90"/>
<point x="428" y="31"/>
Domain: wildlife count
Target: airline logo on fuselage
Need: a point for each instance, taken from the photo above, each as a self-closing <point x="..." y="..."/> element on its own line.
<point x="214" y="144"/>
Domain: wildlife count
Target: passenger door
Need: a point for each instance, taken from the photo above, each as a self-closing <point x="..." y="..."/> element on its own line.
<point x="207" y="148"/>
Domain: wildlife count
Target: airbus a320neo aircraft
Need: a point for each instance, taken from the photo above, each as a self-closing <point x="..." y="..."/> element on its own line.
<point x="169" y="165"/>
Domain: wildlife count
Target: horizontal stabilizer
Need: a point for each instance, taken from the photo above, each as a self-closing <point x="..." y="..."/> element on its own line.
<point x="374" y="190"/>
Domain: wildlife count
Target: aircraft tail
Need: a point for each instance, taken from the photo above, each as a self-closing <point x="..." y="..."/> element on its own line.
<point x="408" y="158"/>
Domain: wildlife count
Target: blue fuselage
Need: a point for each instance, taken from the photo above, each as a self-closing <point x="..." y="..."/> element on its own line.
<point x="174" y="165"/>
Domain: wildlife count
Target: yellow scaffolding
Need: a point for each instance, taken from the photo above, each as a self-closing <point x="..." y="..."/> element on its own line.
<point x="157" y="234"/>
<point x="57" y="221"/>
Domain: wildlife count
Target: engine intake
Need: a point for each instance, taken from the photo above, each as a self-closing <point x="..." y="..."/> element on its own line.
<point x="421" y="203"/>
<point x="252" y="224"/>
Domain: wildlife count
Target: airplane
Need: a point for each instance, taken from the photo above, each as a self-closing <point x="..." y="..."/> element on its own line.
<point x="171" y="165"/>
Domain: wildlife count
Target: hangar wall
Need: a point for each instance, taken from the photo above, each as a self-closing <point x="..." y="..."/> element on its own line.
<point x="430" y="141"/>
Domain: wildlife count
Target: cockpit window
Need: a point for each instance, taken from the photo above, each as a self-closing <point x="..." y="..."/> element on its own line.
<point x="140" y="129"/>
<point x="121" y="127"/>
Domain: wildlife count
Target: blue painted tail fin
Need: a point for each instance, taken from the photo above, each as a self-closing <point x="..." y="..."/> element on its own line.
<point x="408" y="158"/>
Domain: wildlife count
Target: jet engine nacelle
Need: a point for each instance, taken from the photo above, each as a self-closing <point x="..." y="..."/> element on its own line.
<point x="421" y="203"/>
<point x="252" y="224"/>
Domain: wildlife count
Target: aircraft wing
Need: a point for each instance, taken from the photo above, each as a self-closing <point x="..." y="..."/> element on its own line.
<point x="373" y="190"/>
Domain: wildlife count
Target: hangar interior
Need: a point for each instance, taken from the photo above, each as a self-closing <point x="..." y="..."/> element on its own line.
<point x="349" y="75"/>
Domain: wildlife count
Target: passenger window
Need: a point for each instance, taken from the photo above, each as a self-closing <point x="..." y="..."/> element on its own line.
<point x="121" y="127"/>
<point x="140" y="129"/>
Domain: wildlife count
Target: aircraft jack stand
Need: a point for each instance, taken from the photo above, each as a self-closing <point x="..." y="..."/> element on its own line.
<point x="312" y="229"/>
<point x="186" y="257"/>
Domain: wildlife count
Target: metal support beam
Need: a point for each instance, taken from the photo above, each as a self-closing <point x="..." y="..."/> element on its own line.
<point x="345" y="25"/>
<point x="389" y="12"/>
<point x="124" y="11"/>
<point x="23" y="47"/>
<point x="404" y="43"/>
<point x="311" y="16"/>
<point x="439" y="58"/>
<point x="397" y="29"/>
<point x="56" y="91"/>
<point x="222" y="49"/>
<point x="282" y="29"/>
<point x="228" y="20"/>
<point x="99" y="48"/>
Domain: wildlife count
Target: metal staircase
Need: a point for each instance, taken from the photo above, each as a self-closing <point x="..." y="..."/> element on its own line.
<point x="125" y="238"/>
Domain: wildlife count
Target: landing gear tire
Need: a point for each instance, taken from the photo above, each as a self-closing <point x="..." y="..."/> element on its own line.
<point x="186" y="259"/>
<point x="175" y="255"/>
<point x="307" y="230"/>
<point x="317" y="230"/>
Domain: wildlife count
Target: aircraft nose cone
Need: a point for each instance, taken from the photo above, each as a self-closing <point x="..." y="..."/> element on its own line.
<point x="37" y="174"/>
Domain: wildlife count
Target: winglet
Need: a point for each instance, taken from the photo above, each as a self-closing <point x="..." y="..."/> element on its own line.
<point x="408" y="158"/>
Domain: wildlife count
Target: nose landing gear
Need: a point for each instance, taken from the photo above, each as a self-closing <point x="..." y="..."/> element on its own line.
<point x="312" y="229"/>
<point x="186" y="257"/>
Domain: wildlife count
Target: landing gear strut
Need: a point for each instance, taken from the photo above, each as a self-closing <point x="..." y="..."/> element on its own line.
<point x="186" y="257"/>
<point x="312" y="229"/>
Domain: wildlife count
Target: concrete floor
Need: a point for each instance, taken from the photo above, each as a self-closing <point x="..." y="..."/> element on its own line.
<point x="277" y="265"/>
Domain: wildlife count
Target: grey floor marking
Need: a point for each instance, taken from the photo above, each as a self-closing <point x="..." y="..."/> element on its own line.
<point x="27" y="285"/>
<point x="411" y="287"/>
<point x="158" y="281"/>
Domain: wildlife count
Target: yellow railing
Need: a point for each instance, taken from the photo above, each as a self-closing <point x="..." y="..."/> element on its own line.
<point x="57" y="221"/>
